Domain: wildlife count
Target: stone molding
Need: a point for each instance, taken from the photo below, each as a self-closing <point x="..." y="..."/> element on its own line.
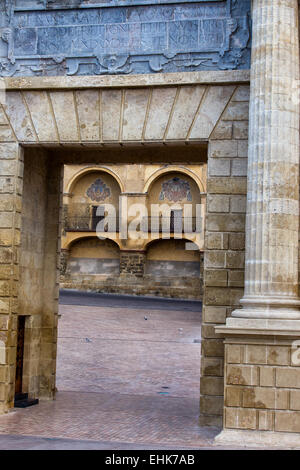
<point x="131" y="81"/>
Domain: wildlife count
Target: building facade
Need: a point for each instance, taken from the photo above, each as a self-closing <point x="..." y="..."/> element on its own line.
<point x="162" y="82"/>
<point x="161" y="251"/>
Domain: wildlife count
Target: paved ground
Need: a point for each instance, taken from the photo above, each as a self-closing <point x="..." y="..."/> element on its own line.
<point x="128" y="378"/>
<point x="74" y="297"/>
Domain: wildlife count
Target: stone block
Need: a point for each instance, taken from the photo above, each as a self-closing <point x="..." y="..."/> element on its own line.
<point x="219" y="167"/>
<point x="239" y="167"/>
<point x="9" y="151"/>
<point x="111" y="109"/>
<point x="135" y="106"/>
<point x="230" y="185"/>
<point x="236" y="278"/>
<point x="64" y="111"/>
<point x="212" y="366"/>
<point x="236" y="241"/>
<point x="234" y="353"/>
<point x="40" y="110"/>
<point x="4" y="288"/>
<point x="212" y="347"/>
<point x="237" y="111"/>
<point x="6" y="237"/>
<point x="214" y="314"/>
<point x="223" y="131"/>
<point x="287" y="421"/>
<point x="3" y="119"/>
<point x="242" y="375"/>
<point x="233" y="396"/>
<point x="214" y="259"/>
<point x="7" y="185"/>
<point x="225" y="223"/>
<point x="265" y="420"/>
<point x="216" y="241"/>
<point x="212" y="107"/>
<point x="238" y="204"/>
<point x="235" y="259"/>
<point x="242" y="148"/>
<point x="277" y="355"/>
<point x="223" y="296"/>
<point x="217" y="203"/>
<point x="209" y="332"/>
<point x="282" y="399"/>
<point x="212" y="386"/>
<point x="240" y="130"/>
<point x="216" y="277"/>
<point x="288" y="378"/>
<point x="223" y="149"/>
<point x="211" y="405"/>
<point x="295" y="400"/>
<point x="242" y="93"/>
<point x="240" y="418"/>
<point x="6" y="134"/>
<point x="256" y="354"/>
<point x="267" y="376"/>
<point x="259" y="398"/>
<point x="6" y="255"/>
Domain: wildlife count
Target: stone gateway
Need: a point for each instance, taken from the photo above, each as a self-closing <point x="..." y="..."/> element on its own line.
<point x="172" y="85"/>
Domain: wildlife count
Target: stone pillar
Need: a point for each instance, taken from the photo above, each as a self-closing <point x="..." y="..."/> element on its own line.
<point x="261" y="377"/>
<point x="11" y="187"/>
<point x="271" y="273"/>
<point x="50" y="291"/>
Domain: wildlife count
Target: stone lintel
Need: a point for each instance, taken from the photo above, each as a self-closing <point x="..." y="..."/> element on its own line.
<point x="130" y="81"/>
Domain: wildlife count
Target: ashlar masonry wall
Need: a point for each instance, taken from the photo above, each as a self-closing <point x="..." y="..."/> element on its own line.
<point x="224" y="244"/>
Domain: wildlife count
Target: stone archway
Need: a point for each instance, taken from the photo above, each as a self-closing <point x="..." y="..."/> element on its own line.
<point x="138" y="113"/>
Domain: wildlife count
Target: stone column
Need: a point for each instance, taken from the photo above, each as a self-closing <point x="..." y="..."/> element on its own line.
<point x="262" y="375"/>
<point x="271" y="276"/>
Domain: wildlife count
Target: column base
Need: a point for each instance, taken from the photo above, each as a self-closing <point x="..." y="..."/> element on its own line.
<point x="269" y="307"/>
<point x="262" y="382"/>
<point x="244" y="438"/>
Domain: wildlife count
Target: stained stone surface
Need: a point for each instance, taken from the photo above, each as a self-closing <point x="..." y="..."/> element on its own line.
<point x="52" y="38"/>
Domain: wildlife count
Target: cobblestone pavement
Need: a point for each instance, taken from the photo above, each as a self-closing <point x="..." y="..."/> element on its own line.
<point x="127" y="377"/>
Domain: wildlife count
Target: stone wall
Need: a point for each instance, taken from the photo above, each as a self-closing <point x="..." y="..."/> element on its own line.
<point x="224" y="244"/>
<point x="262" y="386"/>
<point x="176" y="288"/>
<point x="99" y="265"/>
<point x="11" y="172"/>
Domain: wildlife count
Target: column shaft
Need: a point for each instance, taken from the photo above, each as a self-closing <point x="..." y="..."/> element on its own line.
<point x="271" y="277"/>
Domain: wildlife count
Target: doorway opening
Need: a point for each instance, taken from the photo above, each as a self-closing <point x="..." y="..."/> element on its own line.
<point x="141" y="353"/>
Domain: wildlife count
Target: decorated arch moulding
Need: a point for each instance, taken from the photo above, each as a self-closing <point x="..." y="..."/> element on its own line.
<point x="67" y="242"/>
<point x="186" y="238"/>
<point x="174" y="169"/>
<point x="92" y="169"/>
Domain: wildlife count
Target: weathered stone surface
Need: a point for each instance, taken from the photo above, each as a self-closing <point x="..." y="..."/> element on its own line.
<point x="97" y="38"/>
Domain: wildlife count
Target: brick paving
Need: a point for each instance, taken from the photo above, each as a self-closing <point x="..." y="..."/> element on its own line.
<point x="128" y="376"/>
